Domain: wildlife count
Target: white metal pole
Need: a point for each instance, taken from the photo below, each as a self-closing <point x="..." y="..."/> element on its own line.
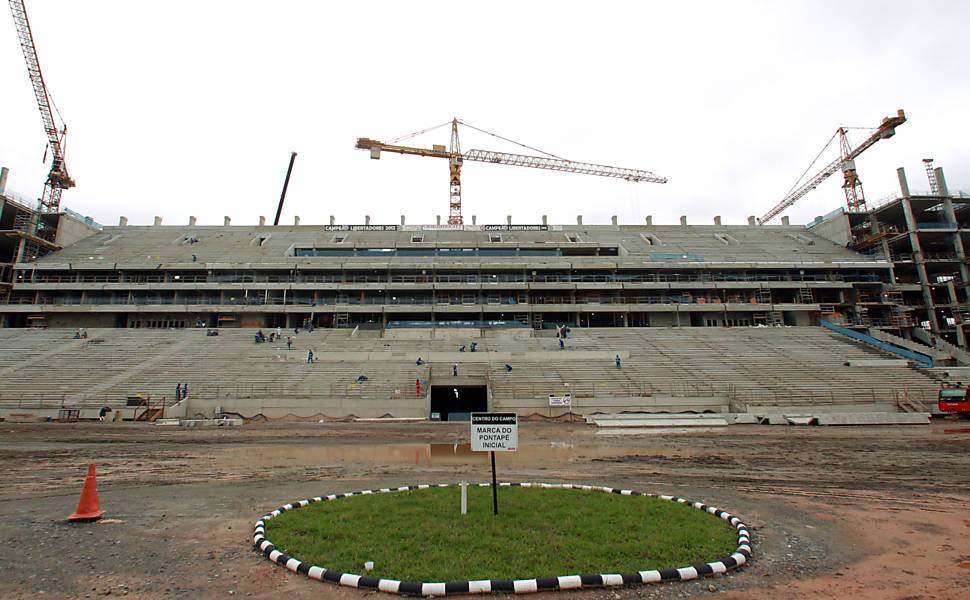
<point x="464" y="497"/>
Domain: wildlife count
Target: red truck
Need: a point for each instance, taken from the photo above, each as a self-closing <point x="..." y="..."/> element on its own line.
<point x="955" y="401"/>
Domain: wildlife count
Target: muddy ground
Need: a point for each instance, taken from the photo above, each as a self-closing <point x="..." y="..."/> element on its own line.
<point x="879" y="512"/>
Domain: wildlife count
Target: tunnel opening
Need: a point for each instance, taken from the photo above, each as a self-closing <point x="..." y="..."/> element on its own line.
<point x="457" y="402"/>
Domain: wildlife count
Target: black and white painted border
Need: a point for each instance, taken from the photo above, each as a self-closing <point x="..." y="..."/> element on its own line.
<point x="740" y="557"/>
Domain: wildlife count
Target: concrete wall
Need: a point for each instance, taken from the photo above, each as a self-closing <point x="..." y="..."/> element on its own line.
<point x="835" y="229"/>
<point x="70" y="230"/>
<point x="404" y="407"/>
<point x="585" y="406"/>
<point x="663" y="320"/>
<point x="71" y="321"/>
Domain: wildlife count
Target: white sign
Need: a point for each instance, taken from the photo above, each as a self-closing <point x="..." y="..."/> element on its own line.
<point x="565" y="400"/>
<point x="494" y="432"/>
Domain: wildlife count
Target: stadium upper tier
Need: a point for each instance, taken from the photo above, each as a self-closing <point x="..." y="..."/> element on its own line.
<point x="384" y="276"/>
<point x="309" y="245"/>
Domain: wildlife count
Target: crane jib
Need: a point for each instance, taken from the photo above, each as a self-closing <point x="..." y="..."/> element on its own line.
<point x="457" y="157"/>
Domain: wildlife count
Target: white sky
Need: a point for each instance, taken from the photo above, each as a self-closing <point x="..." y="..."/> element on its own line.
<point x="182" y="108"/>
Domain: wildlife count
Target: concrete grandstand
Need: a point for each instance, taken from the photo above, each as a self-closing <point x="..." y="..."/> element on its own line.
<point x="705" y="318"/>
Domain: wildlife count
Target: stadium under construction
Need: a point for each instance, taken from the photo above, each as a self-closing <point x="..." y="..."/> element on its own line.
<point x="856" y="312"/>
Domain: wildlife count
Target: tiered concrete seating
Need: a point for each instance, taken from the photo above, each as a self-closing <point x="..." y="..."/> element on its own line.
<point x="663" y="368"/>
<point x="755" y="367"/>
<point x="169" y="244"/>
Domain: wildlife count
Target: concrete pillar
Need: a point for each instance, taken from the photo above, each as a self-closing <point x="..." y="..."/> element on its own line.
<point x="903" y="184"/>
<point x="262" y="221"/>
<point x="613" y="219"/>
<point x="941" y="181"/>
<point x="683" y="219"/>
<point x="474" y="220"/>
<point x="649" y="219"/>
<point x="438" y="219"/>
<point x="226" y="220"/>
<point x="545" y="220"/>
<point x="717" y="220"/>
<point x="158" y="221"/>
<point x="785" y="220"/>
<point x="751" y="221"/>
<point x="366" y="219"/>
<point x="402" y="220"/>
<point x="918" y="254"/>
<point x="508" y="219"/>
<point x="579" y="219"/>
<point x="333" y="220"/>
<point x="4" y="171"/>
<point x="122" y="221"/>
<point x="296" y="220"/>
<point x="956" y="241"/>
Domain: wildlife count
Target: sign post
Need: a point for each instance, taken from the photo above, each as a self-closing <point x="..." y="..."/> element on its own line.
<point x="494" y="432"/>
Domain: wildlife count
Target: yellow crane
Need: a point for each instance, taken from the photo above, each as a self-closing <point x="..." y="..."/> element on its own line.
<point x="58" y="179"/>
<point x="855" y="200"/>
<point x="456" y="158"/>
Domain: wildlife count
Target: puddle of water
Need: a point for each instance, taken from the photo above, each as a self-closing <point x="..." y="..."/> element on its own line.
<point x="552" y="454"/>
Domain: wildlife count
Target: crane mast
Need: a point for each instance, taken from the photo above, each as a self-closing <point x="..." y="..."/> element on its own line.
<point x="454" y="169"/>
<point x="852" y="185"/>
<point x="58" y="178"/>
<point x="456" y="159"/>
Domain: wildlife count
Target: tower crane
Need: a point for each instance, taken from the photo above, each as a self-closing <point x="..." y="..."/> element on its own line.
<point x="852" y="185"/>
<point x="456" y="159"/>
<point x="58" y="179"/>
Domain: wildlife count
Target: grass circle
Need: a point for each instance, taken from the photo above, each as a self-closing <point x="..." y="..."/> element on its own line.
<point x="418" y="534"/>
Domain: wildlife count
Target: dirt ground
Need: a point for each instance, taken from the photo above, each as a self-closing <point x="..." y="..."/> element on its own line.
<point x="871" y="513"/>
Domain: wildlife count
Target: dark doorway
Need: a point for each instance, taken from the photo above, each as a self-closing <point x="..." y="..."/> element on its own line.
<point x="457" y="402"/>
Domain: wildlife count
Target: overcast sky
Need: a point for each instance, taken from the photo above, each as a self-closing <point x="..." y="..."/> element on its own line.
<point x="182" y="108"/>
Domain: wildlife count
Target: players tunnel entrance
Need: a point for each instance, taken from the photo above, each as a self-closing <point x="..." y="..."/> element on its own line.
<point x="456" y="402"/>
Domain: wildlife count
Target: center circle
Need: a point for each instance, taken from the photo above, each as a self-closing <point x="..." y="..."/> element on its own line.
<point x="414" y="540"/>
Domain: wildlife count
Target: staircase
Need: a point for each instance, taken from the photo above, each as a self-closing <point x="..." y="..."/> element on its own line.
<point x="911" y="405"/>
<point x="151" y="414"/>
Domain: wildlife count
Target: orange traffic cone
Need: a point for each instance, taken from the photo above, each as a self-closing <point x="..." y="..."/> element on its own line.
<point x="87" y="506"/>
